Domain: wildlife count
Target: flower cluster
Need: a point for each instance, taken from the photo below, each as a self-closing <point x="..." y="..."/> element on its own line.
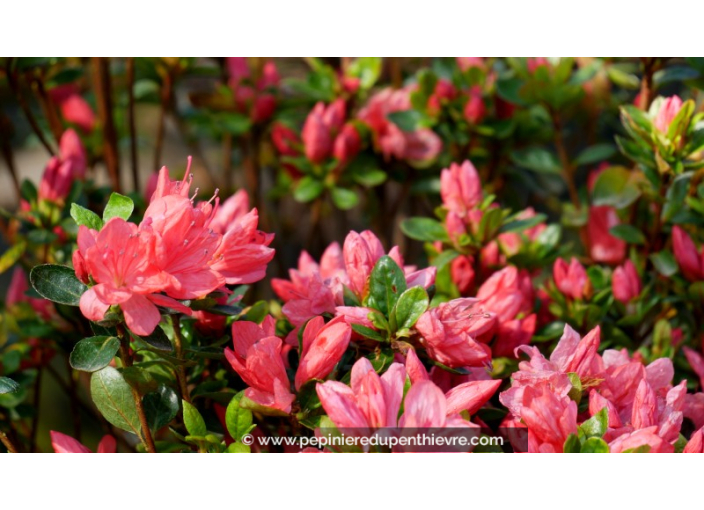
<point x="173" y="254"/>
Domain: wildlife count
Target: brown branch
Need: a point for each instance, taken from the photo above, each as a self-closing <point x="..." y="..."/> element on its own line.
<point x="131" y="123"/>
<point x="14" y="86"/>
<point x="35" y="418"/>
<point x="57" y="128"/>
<point x="6" y="147"/>
<point x="127" y="361"/>
<point x="180" y="369"/>
<point x="161" y="128"/>
<point x="8" y="444"/>
<point x="103" y="95"/>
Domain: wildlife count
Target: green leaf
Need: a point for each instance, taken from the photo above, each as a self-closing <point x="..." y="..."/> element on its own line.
<point x="572" y="444"/>
<point x="367" y="332"/>
<point x="367" y="69"/>
<point x="366" y="176"/>
<point x="57" y="283"/>
<point x="676" y="195"/>
<point x="595" y="154"/>
<point x="140" y="379"/>
<point x="595" y="445"/>
<point x="308" y="189"/>
<point x="628" y="233"/>
<point x="119" y="206"/>
<point x="94" y="353"/>
<point x="424" y="229"/>
<point x="407" y="120"/>
<point x="237" y="419"/>
<point x="85" y="217"/>
<point x="521" y="225"/>
<point x="113" y="398"/>
<point x="664" y="262"/>
<point x="157" y="339"/>
<point x="674" y="73"/>
<point x="238" y="448"/>
<point x="8" y="259"/>
<point x="538" y="160"/>
<point x="7" y="385"/>
<point x="344" y="198"/>
<point x="195" y="425"/>
<point x="597" y="425"/>
<point x="160" y="407"/>
<point x="386" y="283"/>
<point x="616" y="186"/>
<point x="410" y="306"/>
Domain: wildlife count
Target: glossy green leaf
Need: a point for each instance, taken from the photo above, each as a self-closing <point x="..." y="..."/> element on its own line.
<point x="597" y="425"/>
<point x="410" y="306"/>
<point x="94" y="353"/>
<point x="628" y="233"/>
<point x="237" y="419"/>
<point x="616" y="186"/>
<point x="424" y="229"/>
<point x="308" y="189"/>
<point x="386" y="283"/>
<point x="160" y="407"/>
<point x="192" y="419"/>
<point x="7" y="385"/>
<point x="119" y="206"/>
<point x="595" y="154"/>
<point x="57" y="283"/>
<point x="595" y="445"/>
<point x="114" y="399"/>
<point x="665" y="263"/>
<point x="344" y="198"/>
<point x="538" y="160"/>
<point x="367" y="332"/>
<point x="85" y="217"/>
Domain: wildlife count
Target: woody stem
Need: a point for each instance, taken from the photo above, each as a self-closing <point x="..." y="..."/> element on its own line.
<point x="127" y="361"/>
<point x="8" y="444"/>
<point x="180" y="369"/>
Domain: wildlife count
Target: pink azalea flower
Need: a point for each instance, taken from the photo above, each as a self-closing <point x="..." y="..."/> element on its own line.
<point x="460" y="188"/>
<point x="669" y="109"/>
<point x="643" y="437"/>
<point x="62" y="170"/>
<point x="66" y="444"/>
<point x="603" y="247"/>
<point x="570" y="279"/>
<point x="690" y="260"/>
<point x="313" y="289"/>
<point x="369" y="402"/>
<point x="625" y="282"/>
<point x="119" y="260"/>
<point x="549" y="418"/>
<point x="74" y="108"/>
<point x="258" y="361"/>
<point x="323" y="347"/>
<point x="507" y="293"/>
<point x="229" y="211"/>
<point x="696" y="361"/>
<point x="695" y="443"/>
<point x="419" y="147"/>
<point x="449" y="330"/>
<point x="474" y="109"/>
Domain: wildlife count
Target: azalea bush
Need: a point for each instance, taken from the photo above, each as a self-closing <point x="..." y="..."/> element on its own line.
<point x="476" y="247"/>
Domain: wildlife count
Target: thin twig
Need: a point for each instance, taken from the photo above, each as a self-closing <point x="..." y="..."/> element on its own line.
<point x="8" y="444"/>
<point x="180" y="369"/>
<point x="14" y="86"/>
<point x="36" y="404"/>
<point x="131" y="122"/>
<point x="127" y="361"/>
<point x="103" y="94"/>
